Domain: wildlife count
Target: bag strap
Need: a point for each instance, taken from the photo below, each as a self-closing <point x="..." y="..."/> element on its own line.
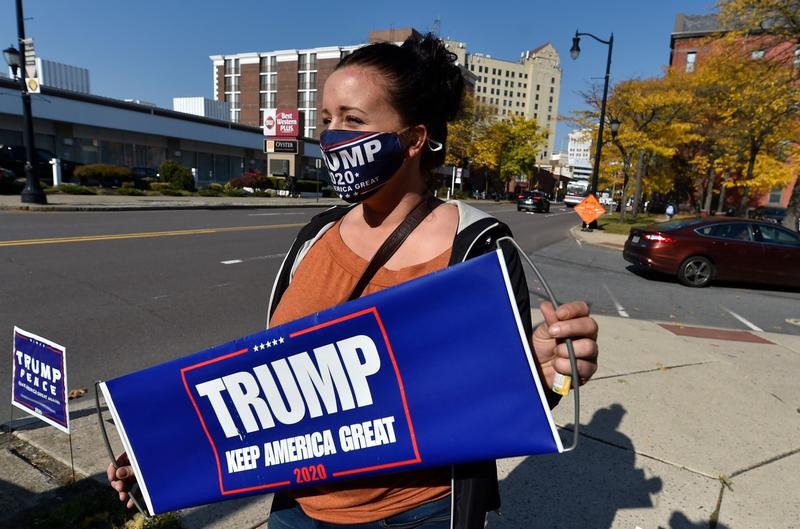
<point x="393" y="242"/>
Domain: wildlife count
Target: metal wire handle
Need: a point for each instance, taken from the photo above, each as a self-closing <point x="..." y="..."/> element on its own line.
<point x="573" y="362"/>
<point x="110" y="452"/>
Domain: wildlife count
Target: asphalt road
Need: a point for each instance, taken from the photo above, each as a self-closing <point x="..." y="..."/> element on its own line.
<point x="125" y="290"/>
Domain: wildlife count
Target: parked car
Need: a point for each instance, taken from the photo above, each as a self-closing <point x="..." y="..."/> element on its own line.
<point x="10" y="182"/>
<point x="13" y="157"/>
<point x="698" y="251"/>
<point x="533" y="201"/>
<point x="143" y="176"/>
<point x="769" y="213"/>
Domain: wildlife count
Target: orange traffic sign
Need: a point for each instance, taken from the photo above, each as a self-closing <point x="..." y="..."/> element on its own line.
<point x="589" y="210"/>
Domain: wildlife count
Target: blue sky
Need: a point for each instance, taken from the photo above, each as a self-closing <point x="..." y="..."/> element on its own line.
<point x="156" y="50"/>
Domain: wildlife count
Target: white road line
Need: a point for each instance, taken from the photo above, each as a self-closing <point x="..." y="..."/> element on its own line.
<point x="617" y="305"/>
<point x="748" y="324"/>
<point x="257" y="258"/>
<point x="271" y="214"/>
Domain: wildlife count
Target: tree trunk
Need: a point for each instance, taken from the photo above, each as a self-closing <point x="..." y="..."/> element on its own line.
<point x="721" y="204"/>
<point x="637" y="194"/>
<point x="792" y="218"/>
<point x="710" y="190"/>
<point x="624" y="198"/>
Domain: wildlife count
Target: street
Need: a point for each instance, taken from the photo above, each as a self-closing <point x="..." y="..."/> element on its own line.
<point x="125" y="290"/>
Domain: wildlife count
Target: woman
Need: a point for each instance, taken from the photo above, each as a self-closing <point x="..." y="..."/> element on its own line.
<point x="393" y="103"/>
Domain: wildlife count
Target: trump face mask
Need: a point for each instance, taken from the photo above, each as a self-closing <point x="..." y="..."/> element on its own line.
<point x="359" y="163"/>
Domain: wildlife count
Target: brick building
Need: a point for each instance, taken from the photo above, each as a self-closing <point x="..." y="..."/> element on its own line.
<point x="693" y="38"/>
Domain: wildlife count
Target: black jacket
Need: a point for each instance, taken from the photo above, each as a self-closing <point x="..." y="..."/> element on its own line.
<point x="474" y="486"/>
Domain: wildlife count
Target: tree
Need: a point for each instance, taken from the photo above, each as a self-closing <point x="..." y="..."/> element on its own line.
<point x="509" y="147"/>
<point x="774" y="17"/>
<point x="470" y="125"/>
<point x="779" y="18"/>
<point x="751" y="109"/>
<point x="652" y="115"/>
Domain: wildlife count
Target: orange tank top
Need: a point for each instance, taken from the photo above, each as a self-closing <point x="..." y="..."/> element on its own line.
<point x="324" y="279"/>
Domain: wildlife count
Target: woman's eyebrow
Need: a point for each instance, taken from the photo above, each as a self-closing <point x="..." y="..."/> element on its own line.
<point x="344" y="108"/>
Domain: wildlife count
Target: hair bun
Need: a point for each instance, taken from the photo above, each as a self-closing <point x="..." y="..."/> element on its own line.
<point x="438" y="65"/>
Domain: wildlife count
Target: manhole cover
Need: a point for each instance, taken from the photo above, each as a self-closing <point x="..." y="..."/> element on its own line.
<point x="793" y="321"/>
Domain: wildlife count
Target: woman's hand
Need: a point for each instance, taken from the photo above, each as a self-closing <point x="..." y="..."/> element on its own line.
<point x="571" y="320"/>
<point x="121" y="478"/>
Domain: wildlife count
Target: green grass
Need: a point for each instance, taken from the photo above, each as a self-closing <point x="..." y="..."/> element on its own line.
<point x="611" y="223"/>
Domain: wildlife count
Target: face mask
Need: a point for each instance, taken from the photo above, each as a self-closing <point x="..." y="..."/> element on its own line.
<point x="359" y="163"/>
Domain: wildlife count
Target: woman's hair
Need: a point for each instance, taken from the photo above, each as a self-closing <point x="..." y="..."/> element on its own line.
<point x="424" y="83"/>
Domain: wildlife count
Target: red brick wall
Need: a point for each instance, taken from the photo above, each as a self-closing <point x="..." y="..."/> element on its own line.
<point x="325" y="68"/>
<point x="248" y="98"/>
<point x="287" y="84"/>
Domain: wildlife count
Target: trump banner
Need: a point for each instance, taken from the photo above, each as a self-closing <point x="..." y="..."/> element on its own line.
<point x="433" y="372"/>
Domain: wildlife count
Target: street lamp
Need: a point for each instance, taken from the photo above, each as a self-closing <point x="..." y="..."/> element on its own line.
<point x="614" y="125"/>
<point x="574" y="52"/>
<point x="32" y="194"/>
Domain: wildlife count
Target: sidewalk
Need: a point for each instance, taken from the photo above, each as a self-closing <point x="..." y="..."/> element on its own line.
<point x="62" y="202"/>
<point x="682" y="426"/>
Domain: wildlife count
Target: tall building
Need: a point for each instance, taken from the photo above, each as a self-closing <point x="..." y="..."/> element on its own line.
<point x="579" y="148"/>
<point x="529" y="87"/>
<point x="256" y="81"/>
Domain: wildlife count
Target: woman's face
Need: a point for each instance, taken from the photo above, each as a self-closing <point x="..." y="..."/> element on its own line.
<point x="355" y="98"/>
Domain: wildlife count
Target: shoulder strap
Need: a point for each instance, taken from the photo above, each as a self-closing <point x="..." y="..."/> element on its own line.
<point x="393" y="242"/>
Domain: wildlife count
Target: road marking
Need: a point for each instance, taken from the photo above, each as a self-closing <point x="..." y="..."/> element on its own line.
<point x="793" y="321"/>
<point x="748" y="324"/>
<point x="271" y="214"/>
<point x="144" y="235"/>
<point x="620" y="309"/>
<point x="257" y="258"/>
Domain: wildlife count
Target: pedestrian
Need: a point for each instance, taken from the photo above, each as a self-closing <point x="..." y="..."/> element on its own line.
<point x="670" y="211"/>
<point x="402" y="96"/>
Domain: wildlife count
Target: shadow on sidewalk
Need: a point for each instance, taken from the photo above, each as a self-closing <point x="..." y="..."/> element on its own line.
<point x="584" y="488"/>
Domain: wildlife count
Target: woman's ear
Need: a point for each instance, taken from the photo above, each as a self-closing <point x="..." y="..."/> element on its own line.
<point x="418" y="139"/>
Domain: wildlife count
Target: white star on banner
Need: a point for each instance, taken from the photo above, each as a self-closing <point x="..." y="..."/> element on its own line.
<point x="255" y="349"/>
<point x="274" y="342"/>
<point x="267" y="344"/>
<point x="280" y="340"/>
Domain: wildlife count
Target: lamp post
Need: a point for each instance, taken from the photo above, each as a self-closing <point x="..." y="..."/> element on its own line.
<point x="574" y="52"/>
<point x="32" y="194"/>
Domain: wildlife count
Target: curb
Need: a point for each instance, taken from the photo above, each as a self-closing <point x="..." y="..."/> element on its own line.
<point x="165" y="207"/>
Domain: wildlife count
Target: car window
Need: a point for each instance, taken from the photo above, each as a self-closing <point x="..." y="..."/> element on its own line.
<point x="775" y="235"/>
<point x="730" y="230"/>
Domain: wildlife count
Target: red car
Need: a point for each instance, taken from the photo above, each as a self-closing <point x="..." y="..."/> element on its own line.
<point x="698" y="251"/>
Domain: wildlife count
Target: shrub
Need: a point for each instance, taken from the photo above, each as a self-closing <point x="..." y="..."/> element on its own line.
<point x="255" y="180"/>
<point x="179" y="176"/>
<point x="103" y="174"/>
<point x="158" y="186"/>
<point x="307" y="186"/>
<point x="130" y="191"/>
<point x="216" y="187"/>
<point x="235" y="192"/>
<point x="168" y="191"/>
<point x="209" y="192"/>
<point x="74" y="189"/>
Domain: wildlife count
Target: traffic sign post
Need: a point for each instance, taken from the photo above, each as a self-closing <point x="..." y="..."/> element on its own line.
<point x="589" y="210"/>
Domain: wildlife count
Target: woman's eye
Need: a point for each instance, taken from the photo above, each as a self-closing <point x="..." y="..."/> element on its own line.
<point x="354" y="119"/>
<point x="326" y="121"/>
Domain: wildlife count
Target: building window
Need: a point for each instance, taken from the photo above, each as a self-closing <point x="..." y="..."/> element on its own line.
<point x="267" y="64"/>
<point x="268" y="82"/>
<point x="537" y="97"/>
<point x="757" y="54"/>
<point x="231" y="66"/>
<point x="536" y="106"/>
<point x="267" y="99"/>
<point x="307" y="81"/>
<point x="775" y="195"/>
<point x="551" y="99"/>
<point x="308" y="61"/>
<point x="691" y="57"/>
<point x="537" y="87"/>
<point x="552" y="90"/>
<point x="552" y="80"/>
<point x="307" y="99"/>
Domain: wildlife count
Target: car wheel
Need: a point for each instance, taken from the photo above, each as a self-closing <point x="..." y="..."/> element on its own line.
<point x="519" y="209"/>
<point x="696" y="271"/>
<point x="547" y="210"/>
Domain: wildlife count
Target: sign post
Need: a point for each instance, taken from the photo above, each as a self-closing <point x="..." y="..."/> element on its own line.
<point x="39" y="379"/>
<point x="589" y="210"/>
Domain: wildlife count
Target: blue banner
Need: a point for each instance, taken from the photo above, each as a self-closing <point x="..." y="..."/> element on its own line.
<point x="39" y="379"/>
<point x="429" y="373"/>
